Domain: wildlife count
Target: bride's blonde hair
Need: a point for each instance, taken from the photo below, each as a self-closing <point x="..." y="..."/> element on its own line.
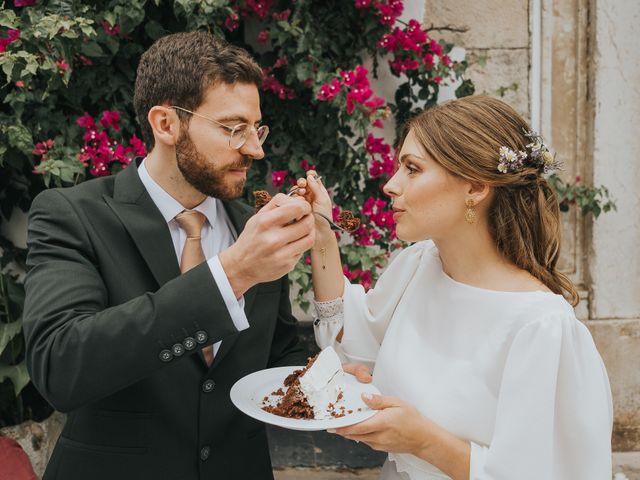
<point x="465" y="136"/>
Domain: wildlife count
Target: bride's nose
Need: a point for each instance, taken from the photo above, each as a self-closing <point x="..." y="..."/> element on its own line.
<point x="391" y="188"/>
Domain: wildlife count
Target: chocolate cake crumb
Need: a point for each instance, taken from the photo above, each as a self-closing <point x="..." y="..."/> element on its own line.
<point x="347" y="221"/>
<point x="293" y="403"/>
<point x="262" y="198"/>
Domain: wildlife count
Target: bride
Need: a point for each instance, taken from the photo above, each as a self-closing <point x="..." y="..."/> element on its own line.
<point x="484" y="369"/>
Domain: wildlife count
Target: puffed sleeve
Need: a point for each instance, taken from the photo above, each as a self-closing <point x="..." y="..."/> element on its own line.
<point x="364" y="315"/>
<point x="554" y="413"/>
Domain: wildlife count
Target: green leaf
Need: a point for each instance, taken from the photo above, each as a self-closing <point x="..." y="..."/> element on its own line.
<point x="20" y="138"/>
<point x="154" y="30"/>
<point x="7" y="18"/>
<point x="92" y="49"/>
<point x="8" y="331"/>
<point x="17" y="374"/>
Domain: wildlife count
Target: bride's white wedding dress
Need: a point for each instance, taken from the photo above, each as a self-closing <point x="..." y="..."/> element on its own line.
<point x="514" y="373"/>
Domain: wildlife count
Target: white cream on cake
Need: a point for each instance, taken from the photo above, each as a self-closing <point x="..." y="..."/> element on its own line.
<point x="323" y="382"/>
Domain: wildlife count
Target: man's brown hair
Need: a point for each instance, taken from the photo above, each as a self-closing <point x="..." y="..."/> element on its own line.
<point x="179" y="68"/>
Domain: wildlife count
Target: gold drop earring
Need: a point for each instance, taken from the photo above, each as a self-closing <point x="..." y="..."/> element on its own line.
<point x="470" y="214"/>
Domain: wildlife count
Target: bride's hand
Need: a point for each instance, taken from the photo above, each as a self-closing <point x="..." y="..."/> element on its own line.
<point x="315" y="193"/>
<point x="398" y="427"/>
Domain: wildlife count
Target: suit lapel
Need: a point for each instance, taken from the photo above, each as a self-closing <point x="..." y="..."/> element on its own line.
<point x="238" y="214"/>
<point x="146" y="225"/>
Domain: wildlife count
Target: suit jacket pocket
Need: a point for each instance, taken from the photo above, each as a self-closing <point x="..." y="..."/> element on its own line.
<point x="104" y="449"/>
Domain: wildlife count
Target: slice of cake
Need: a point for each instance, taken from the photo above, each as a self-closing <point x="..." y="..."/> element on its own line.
<point x="313" y="391"/>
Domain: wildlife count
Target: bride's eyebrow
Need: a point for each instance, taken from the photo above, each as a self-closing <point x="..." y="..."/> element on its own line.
<point x="409" y="156"/>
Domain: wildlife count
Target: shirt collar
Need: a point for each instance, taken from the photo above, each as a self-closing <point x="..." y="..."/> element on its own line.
<point x="169" y="207"/>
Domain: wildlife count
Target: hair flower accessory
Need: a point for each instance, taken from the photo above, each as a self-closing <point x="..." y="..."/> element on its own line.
<point x="537" y="156"/>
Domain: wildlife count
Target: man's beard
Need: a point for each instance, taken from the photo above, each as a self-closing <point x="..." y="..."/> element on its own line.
<point x="203" y="175"/>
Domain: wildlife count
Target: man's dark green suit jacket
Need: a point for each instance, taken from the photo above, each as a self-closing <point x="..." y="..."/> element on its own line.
<point x="114" y="336"/>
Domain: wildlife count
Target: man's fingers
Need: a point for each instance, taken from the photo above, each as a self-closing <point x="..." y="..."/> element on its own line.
<point x="291" y="209"/>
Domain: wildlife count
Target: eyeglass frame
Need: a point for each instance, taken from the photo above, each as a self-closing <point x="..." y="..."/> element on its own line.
<point x="229" y="128"/>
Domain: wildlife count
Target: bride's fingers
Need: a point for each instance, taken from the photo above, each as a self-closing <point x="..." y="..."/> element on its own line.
<point x="358" y="370"/>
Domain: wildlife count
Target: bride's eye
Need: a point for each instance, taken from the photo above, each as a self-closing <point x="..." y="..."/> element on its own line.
<point x="410" y="168"/>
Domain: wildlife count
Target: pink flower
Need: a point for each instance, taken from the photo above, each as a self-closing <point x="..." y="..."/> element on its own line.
<point x="348" y="77"/>
<point x="62" y="65"/>
<point x="281" y="62"/>
<point x="12" y="36"/>
<point x="20" y="84"/>
<point x="387" y="14"/>
<point x="282" y="16"/>
<point x="306" y="166"/>
<point x="112" y="31"/>
<point x="446" y="60"/>
<point x="437" y="79"/>
<point x="260" y="7"/>
<point x="138" y="146"/>
<point x="428" y="61"/>
<point x="415" y="32"/>
<point x="363" y="3"/>
<point x="42" y="148"/>
<point x="110" y="119"/>
<point x="365" y="279"/>
<point x="376" y="145"/>
<point x="271" y="83"/>
<point x="578" y="179"/>
<point x="328" y="91"/>
<point x="86" y="121"/>
<point x="24" y="3"/>
<point x="263" y="36"/>
<point x="278" y="177"/>
<point x="231" y="24"/>
<point x="85" y="60"/>
<point x="374" y="103"/>
<point x="387" y="42"/>
<point x="399" y="66"/>
<point x="435" y="48"/>
<point x="377" y="123"/>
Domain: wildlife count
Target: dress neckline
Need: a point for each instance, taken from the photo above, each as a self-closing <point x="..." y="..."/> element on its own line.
<point x="475" y="289"/>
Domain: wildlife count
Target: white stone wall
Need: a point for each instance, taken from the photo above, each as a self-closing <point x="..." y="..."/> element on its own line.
<point x="614" y="258"/>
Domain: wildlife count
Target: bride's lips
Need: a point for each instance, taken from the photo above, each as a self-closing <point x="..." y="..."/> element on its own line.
<point x="397" y="212"/>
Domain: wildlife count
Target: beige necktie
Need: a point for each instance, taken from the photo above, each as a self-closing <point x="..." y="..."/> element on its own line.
<point x="192" y="254"/>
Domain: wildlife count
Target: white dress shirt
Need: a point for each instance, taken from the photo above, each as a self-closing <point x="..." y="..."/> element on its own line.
<point x="514" y="373"/>
<point x="217" y="235"/>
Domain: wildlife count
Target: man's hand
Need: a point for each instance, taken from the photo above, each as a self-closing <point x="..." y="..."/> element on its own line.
<point x="271" y="243"/>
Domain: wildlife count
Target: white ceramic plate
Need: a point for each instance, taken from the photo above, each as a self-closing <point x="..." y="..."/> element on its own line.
<point x="248" y="393"/>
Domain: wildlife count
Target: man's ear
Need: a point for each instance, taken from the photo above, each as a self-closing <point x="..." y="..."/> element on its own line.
<point x="165" y="125"/>
<point x="478" y="192"/>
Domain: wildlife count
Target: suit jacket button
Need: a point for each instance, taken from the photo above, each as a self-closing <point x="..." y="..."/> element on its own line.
<point x="201" y="336"/>
<point x="189" y="343"/>
<point x="166" y="355"/>
<point x="207" y="386"/>
<point x="177" y="349"/>
<point x="204" y="453"/>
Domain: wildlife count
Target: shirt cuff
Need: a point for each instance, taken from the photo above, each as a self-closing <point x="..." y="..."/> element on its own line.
<point x="234" y="306"/>
<point x="477" y="461"/>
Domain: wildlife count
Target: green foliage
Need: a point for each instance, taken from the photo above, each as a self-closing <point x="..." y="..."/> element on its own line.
<point x="588" y="199"/>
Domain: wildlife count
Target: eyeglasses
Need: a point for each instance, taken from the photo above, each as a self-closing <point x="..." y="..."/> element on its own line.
<point x="238" y="133"/>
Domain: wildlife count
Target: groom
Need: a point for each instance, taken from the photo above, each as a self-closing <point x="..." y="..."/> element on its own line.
<point x="151" y="292"/>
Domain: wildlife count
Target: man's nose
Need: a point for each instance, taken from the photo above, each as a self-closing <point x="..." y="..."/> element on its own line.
<point x="252" y="147"/>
